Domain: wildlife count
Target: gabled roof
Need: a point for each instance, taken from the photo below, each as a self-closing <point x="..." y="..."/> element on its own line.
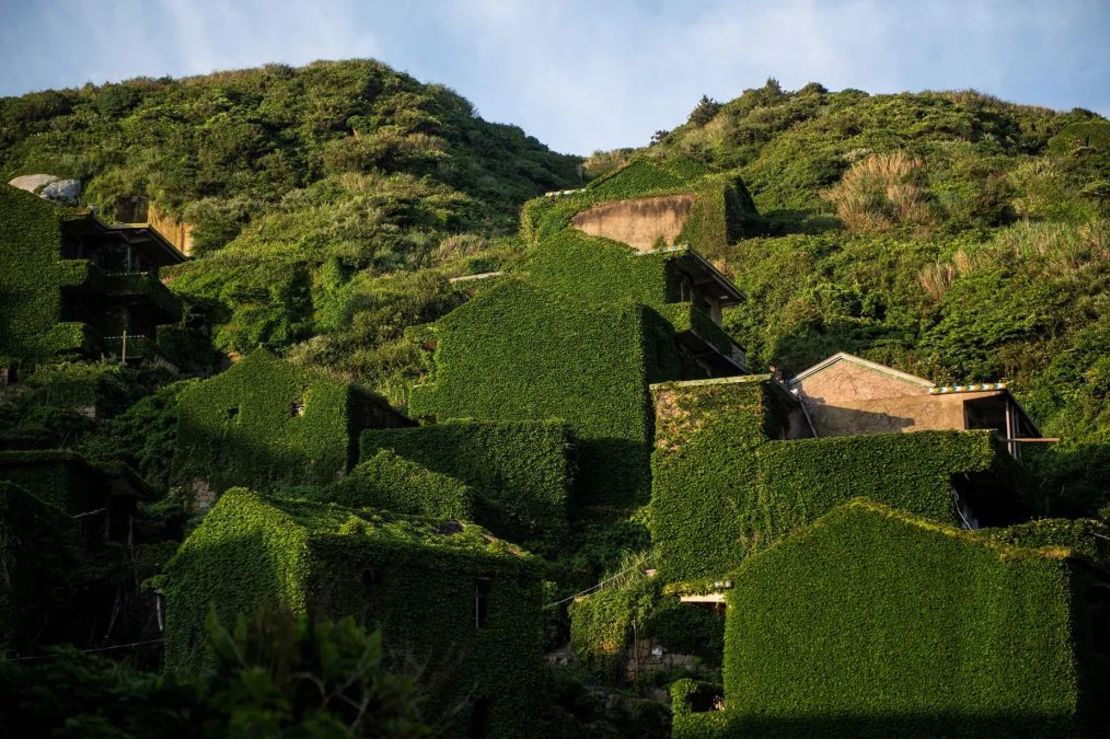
<point x="846" y="357"/>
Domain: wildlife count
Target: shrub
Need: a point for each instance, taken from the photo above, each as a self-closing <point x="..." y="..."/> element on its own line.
<point x="882" y="192"/>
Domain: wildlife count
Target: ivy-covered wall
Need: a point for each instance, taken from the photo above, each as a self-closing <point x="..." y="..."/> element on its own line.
<point x="705" y="473"/>
<point x="875" y="623"/>
<point x="394" y="483"/>
<point x="518" y="352"/>
<point x="520" y="472"/>
<point x="55" y="476"/>
<point x="30" y="295"/>
<point x="416" y="579"/>
<point x="723" y="209"/>
<point x="37" y="554"/>
<point x="267" y="423"/>
<point x="722" y="488"/>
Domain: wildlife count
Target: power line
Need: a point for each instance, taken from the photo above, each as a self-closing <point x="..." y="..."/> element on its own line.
<point x="88" y="651"/>
<point x="592" y="588"/>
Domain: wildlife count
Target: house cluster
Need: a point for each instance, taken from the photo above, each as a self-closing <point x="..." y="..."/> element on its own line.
<point x="858" y="527"/>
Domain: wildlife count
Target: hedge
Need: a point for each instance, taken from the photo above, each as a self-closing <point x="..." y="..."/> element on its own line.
<point x="267" y="423"/>
<point x="520" y="472"/>
<point x="413" y="578"/>
<point x="395" y="484"/>
<point x="721" y="488"/>
<point x="37" y="552"/>
<point x="519" y="352"/>
<point x="872" y="622"/>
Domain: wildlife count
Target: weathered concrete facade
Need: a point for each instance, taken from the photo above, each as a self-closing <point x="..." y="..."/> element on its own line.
<point x="640" y="223"/>
<point x="846" y="395"/>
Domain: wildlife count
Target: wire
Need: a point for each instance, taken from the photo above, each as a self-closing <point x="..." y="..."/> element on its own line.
<point x="592" y="588"/>
<point x="88" y="651"/>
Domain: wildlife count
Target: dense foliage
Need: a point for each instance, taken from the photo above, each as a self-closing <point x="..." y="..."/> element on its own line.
<point x="388" y="481"/>
<point x="722" y="489"/>
<point x="416" y="579"/>
<point x="273" y="676"/>
<point x="268" y="423"/>
<point x="944" y="622"/>
<point x="521" y="352"/>
<point x="519" y="472"/>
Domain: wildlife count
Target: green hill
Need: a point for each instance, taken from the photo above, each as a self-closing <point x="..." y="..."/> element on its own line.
<point x="950" y="234"/>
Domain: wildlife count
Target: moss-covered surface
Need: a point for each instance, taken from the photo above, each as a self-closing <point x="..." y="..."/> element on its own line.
<point x="520" y="472"/>
<point x="875" y="623"/>
<point x="721" y="488"/>
<point x="415" y="578"/>
<point x="267" y="423"/>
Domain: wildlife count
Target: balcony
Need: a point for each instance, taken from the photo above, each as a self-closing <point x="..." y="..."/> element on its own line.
<point x="141" y="288"/>
<point x="705" y="340"/>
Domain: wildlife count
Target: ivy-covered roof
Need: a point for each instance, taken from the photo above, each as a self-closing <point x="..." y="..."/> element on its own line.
<point x="322" y="520"/>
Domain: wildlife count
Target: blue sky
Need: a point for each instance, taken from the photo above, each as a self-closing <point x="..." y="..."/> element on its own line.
<point x="584" y="75"/>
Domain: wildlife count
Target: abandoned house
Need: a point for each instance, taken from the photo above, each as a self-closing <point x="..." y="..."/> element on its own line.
<point x="267" y="423"/>
<point x="873" y="622"/>
<point x="74" y="285"/>
<point x="446" y="595"/>
<point x="846" y="395"/>
<point x="101" y="498"/>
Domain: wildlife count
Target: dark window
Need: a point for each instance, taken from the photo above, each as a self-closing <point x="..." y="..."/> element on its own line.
<point x="371" y="594"/>
<point x="479" y="719"/>
<point x="1098" y="599"/>
<point x="481" y="603"/>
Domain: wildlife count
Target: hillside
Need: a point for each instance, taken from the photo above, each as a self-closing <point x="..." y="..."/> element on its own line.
<point x="605" y="450"/>
<point x="301" y="186"/>
<point x="950" y="234"/>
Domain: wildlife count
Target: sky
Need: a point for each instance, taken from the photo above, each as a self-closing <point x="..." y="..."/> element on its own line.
<point x="584" y="75"/>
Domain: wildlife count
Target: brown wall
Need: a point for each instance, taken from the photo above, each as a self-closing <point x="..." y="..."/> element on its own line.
<point x="172" y="230"/>
<point x="640" y="223"/>
<point x="847" y="399"/>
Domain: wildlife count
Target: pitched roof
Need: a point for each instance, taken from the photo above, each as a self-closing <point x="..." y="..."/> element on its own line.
<point x="846" y="357"/>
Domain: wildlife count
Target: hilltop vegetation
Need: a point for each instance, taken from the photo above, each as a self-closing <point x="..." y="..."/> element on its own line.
<point x="948" y="233"/>
<point x="303" y="186"/>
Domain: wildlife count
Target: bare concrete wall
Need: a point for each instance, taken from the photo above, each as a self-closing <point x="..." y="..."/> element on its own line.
<point x="176" y="232"/>
<point x="847" y="399"/>
<point x="639" y="223"/>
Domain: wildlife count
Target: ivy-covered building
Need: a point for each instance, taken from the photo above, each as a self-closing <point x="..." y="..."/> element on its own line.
<point x="75" y="286"/>
<point x="875" y="623"/>
<point x="101" y="498"/>
<point x="445" y="594"/>
<point x="733" y="471"/>
<point x="583" y="330"/>
<point x="266" y="423"/>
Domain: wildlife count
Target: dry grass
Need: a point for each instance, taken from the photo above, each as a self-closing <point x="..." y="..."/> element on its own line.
<point x="882" y="193"/>
<point x="1054" y="251"/>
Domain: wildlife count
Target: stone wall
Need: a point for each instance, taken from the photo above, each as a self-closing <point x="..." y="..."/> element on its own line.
<point x="640" y="223"/>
